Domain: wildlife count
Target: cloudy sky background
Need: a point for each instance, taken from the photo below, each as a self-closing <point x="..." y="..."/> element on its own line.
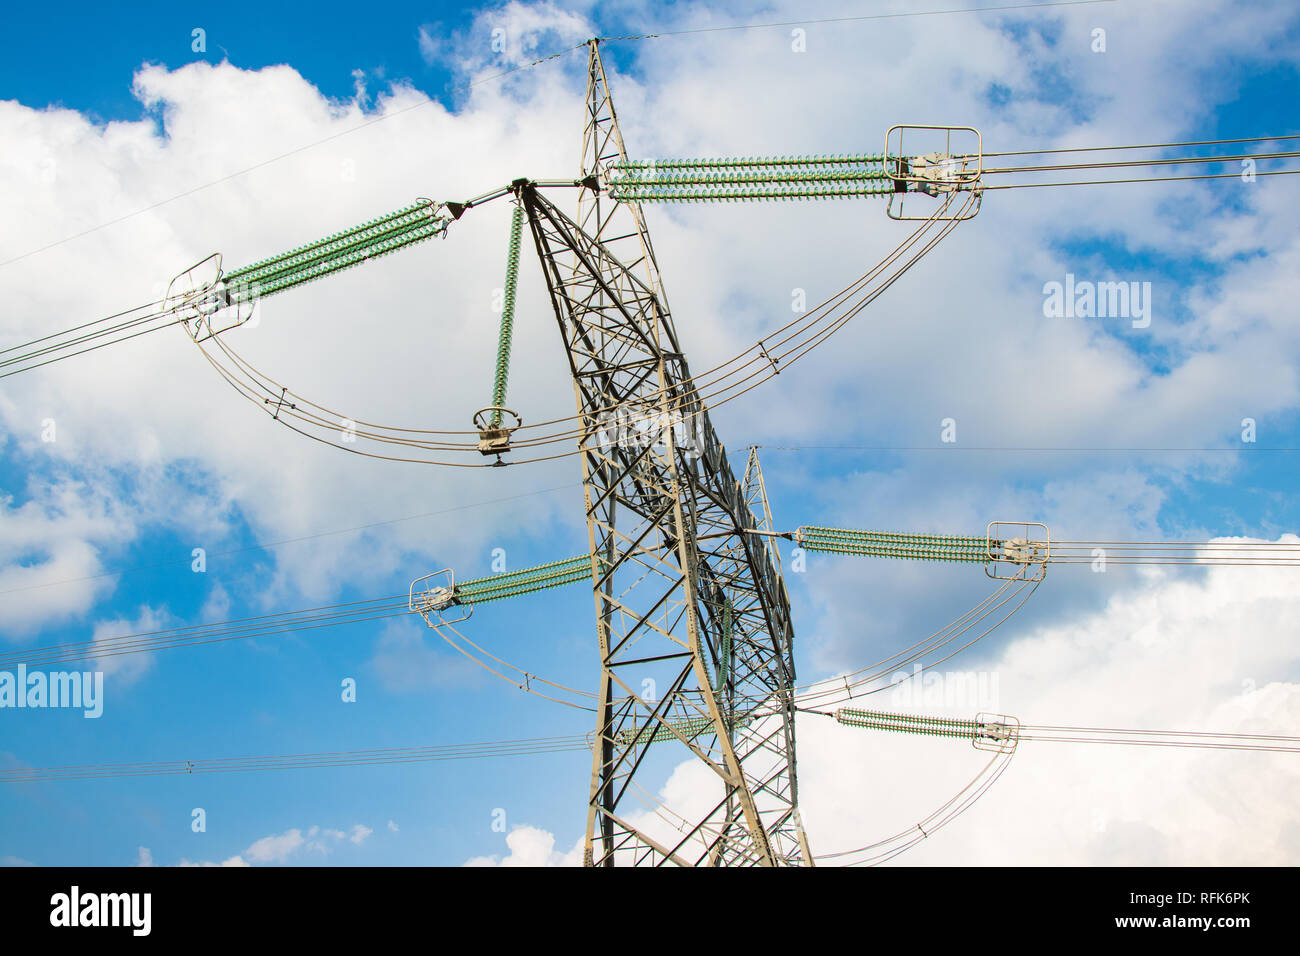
<point x="155" y="455"/>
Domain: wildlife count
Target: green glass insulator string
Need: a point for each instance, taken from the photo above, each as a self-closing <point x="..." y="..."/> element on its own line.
<point x="886" y="544"/>
<point x="909" y="723"/>
<point x="724" y="663"/>
<point x="526" y="581"/>
<point x="507" y="315"/>
<point x="343" y="250"/>
<point x="750" y="178"/>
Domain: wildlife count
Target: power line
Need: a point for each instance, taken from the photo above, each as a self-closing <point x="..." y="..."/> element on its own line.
<point x="1128" y="163"/>
<point x="266" y="625"/>
<point x="63" y="345"/>
<point x="1146" y="179"/>
<point x="302" y="761"/>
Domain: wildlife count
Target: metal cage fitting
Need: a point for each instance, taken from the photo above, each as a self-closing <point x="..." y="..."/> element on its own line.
<point x="937" y="173"/>
<point x="494" y="437"/>
<point x="433" y="599"/>
<point x="996" y="732"/>
<point x="201" y="296"/>
<point x="1011" y="548"/>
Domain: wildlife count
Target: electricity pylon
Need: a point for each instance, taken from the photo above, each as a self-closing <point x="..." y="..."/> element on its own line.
<point x="693" y="619"/>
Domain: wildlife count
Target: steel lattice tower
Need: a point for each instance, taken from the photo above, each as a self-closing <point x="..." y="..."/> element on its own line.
<point x="693" y="619"/>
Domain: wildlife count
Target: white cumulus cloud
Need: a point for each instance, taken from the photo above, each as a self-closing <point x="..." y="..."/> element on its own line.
<point x="531" y="846"/>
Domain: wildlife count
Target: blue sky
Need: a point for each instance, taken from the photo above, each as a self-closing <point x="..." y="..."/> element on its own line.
<point x="159" y="460"/>
<point x="90" y="69"/>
